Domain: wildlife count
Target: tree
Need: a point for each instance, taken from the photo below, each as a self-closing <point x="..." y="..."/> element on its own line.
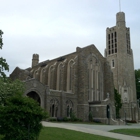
<point x="137" y="80"/>
<point x="118" y="103"/>
<point x="3" y="65"/>
<point x="10" y="88"/>
<point x="20" y="118"/>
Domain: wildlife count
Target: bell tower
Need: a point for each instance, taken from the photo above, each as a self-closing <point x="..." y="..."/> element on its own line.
<point x="120" y="56"/>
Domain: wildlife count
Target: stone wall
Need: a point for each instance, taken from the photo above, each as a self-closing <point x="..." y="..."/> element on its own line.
<point x="43" y="79"/>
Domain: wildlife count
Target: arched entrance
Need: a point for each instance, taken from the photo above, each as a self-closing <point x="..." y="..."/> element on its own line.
<point x="34" y="96"/>
<point x="108" y="111"/>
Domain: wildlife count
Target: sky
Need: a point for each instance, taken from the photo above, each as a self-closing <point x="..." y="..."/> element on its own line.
<point x="53" y="28"/>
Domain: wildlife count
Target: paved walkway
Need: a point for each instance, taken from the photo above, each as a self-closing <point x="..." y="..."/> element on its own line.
<point x="96" y="129"/>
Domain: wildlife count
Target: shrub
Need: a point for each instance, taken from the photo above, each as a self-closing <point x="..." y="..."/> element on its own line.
<point x="59" y="119"/>
<point x="96" y="121"/>
<point x="73" y="117"/>
<point x="65" y="119"/>
<point x="52" y="119"/>
<point x="90" y="116"/>
<point x="20" y="119"/>
<point x="131" y="121"/>
<point x="80" y="120"/>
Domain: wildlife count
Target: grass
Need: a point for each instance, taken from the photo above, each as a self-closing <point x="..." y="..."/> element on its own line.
<point x="132" y="132"/>
<point x="51" y="133"/>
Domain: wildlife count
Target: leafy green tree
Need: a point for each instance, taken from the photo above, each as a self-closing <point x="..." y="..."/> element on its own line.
<point x="3" y="65"/>
<point x="10" y="88"/>
<point x="118" y="103"/>
<point x="20" y="118"/>
<point x="137" y="78"/>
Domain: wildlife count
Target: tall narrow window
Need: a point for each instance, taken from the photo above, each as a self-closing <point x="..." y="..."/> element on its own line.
<point x="112" y="51"/>
<point x="115" y="34"/>
<point x="37" y="74"/>
<point x="43" y="76"/>
<point x="53" y="110"/>
<point x="108" y="36"/>
<point x="51" y="78"/>
<point x="88" y="85"/>
<point x="54" y="107"/>
<point x="70" y="85"/>
<point x="112" y="35"/>
<point x="113" y="63"/>
<point x="69" y="106"/>
<point x="94" y="78"/>
<point x="68" y="111"/>
<point x="128" y="43"/>
<point x="70" y="72"/>
<point x="59" y="77"/>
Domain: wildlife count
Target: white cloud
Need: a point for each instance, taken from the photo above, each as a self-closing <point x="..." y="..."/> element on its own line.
<point x="33" y="26"/>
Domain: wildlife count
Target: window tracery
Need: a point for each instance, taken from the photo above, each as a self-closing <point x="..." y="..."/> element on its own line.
<point x="43" y="75"/>
<point x="70" y="72"/>
<point x="95" y="79"/>
<point x="69" y="106"/>
<point x="59" y="76"/>
<point x="54" y="107"/>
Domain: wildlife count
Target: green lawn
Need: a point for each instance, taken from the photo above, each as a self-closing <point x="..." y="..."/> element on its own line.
<point x="50" y="133"/>
<point x="132" y="132"/>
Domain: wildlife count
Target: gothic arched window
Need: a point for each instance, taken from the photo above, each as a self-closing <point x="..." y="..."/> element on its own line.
<point x="70" y="72"/>
<point x="37" y="74"/>
<point x="59" y="76"/>
<point x="94" y="79"/>
<point x="51" y="77"/>
<point x="69" y="106"/>
<point x="54" y="107"/>
<point x="68" y="111"/>
<point x="43" y="76"/>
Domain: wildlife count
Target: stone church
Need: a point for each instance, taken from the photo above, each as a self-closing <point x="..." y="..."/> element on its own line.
<point x="84" y="81"/>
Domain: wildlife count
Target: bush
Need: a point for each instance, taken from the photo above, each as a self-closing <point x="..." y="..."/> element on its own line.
<point x="65" y="119"/>
<point x="73" y="117"/>
<point x="96" y="121"/>
<point x="90" y="116"/>
<point x="80" y="120"/>
<point x="20" y="119"/>
<point x="59" y="119"/>
<point x="52" y="119"/>
<point x="131" y="121"/>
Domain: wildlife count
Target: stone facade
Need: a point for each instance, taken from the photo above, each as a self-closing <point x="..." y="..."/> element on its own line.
<point x="79" y="82"/>
<point x="83" y="81"/>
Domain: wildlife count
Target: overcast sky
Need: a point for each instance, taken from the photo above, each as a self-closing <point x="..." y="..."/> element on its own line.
<point x="53" y="28"/>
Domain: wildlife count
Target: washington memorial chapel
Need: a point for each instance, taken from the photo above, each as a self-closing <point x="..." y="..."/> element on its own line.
<point x="84" y="81"/>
